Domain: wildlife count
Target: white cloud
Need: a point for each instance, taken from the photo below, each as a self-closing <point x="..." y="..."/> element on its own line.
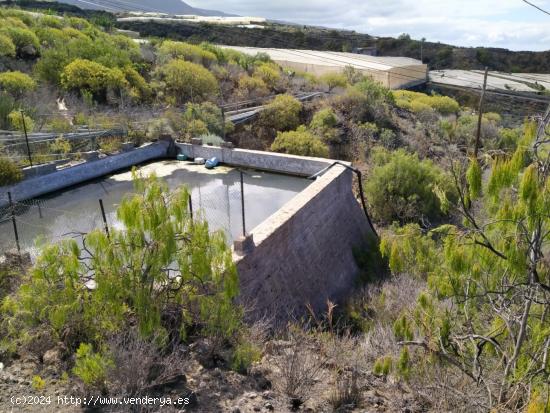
<point x="497" y="23"/>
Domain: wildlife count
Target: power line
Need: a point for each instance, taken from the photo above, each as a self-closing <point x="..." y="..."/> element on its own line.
<point x="536" y="7"/>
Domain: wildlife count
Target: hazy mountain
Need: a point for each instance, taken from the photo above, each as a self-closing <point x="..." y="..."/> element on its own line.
<point x="164" y="6"/>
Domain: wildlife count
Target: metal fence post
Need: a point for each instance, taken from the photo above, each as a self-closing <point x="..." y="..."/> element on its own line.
<point x="191" y="206"/>
<point x="12" y="208"/>
<point x="104" y="218"/>
<point x="242" y="204"/>
<point x="26" y="138"/>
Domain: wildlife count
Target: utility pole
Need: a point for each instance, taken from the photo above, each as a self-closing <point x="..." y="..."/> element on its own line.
<point x="26" y="137"/>
<point x="480" y="115"/>
<point x="422" y="49"/>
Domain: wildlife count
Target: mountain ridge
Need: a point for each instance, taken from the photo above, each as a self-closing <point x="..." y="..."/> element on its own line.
<point x="166" y="6"/>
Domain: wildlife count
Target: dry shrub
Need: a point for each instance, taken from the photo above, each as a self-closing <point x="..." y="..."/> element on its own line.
<point x="346" y="391"/>
<point x="140" y="367"/>
<point x="300" y="366"/>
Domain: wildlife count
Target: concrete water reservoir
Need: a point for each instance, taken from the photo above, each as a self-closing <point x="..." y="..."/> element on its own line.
<point x="301" y="234"/>
<point x="216" y="193"/>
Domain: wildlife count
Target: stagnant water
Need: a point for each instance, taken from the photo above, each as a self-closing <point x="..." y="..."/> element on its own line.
<point x="217" y="193"/>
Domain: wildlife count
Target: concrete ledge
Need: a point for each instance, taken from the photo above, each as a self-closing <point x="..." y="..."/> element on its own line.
<point x="39" y="170"/>
<point x="267" y="161"/>
<point x="40" y="185"/>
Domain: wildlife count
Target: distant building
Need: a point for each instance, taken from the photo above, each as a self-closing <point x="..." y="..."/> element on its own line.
<point x="392" y="72"/>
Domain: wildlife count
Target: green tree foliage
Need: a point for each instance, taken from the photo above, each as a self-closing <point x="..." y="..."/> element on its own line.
<point x="16" y="83"/>
<point x="403" y="188"/>
<point x="300" y="142"/>
<point x="486" y="308"/>
<point x="282" y="113"/>
<point x="160" y="262"/>
<point x="7" y="47"/>
<point x="9" y="172"/>
<point x="186" y="81"/>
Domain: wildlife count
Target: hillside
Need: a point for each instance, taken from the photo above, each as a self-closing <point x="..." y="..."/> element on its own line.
<point x="165" y="6"/>
<point x="449" y="296"/>
<point x="436" y="55"/>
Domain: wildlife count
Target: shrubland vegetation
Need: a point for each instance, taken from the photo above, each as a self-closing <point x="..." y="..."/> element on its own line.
<point x="454" y="314"/>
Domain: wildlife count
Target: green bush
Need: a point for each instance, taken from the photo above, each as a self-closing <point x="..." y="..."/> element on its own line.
<point x="16" y="83"/>
<point x="51" y="21"/>
<point x="186" y="81"/>
<point x="269" y="73"/>
<point x="282" y="113"/>
<point x="138" y="88"/>
<point x="9" y="172"/>
<point x="7" y="47"/>
<point x="300" y="142"/>
<point x="333" y="80"/>
<point x="324" y="124"/>
<point x="178" y="50"/>
<point x="7" y="106"/>
<point x="244" y="355"/>
<point x="91" y="367"/>
<point x="249" y="85"/>
<point x="20" y="122"/>
<point x="133" y="271"/>
<point x="207" y="112"/>
<point x="86" y="75"/>
<point x="389" y="139"/>
<point x="419" y="102"/>
<point x="403" y="188"/>
<point x="25" y="41"/>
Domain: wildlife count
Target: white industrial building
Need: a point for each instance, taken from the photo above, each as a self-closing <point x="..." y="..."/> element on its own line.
<point x="392" y="72"/>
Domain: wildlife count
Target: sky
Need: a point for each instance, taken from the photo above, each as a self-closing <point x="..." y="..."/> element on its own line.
<point x="511" y="24"/>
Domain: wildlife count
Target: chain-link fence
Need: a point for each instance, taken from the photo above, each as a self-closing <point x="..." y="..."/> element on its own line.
<point x="25" y="224"/>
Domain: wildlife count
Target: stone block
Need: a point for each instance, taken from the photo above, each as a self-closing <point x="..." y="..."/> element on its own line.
<point x="244" y="245"/>
<point x="39" y="170"/>
<point x="196" y="141"/>
<point x="90" y="156"/>
<point x="127" y="146"/>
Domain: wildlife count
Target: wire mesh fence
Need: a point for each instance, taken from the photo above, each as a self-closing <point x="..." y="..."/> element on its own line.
<point x="25" y="225"/>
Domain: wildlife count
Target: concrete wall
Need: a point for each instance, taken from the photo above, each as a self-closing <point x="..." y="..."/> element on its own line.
<point x="40" y="185"/>
<point x="267" y="161"/>
<point x="304" y="252"/>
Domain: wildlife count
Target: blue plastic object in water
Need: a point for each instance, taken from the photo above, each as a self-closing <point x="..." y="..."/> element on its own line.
<point x="182" y="157"/>
<point x="211" y="163"/>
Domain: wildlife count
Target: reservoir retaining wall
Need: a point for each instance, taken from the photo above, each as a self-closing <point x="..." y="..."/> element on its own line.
<point x="64" y="178"/>
<point x="303" y="254"/>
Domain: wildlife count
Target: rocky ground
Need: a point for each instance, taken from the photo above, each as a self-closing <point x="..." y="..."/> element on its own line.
<point x="217" y="389"/>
